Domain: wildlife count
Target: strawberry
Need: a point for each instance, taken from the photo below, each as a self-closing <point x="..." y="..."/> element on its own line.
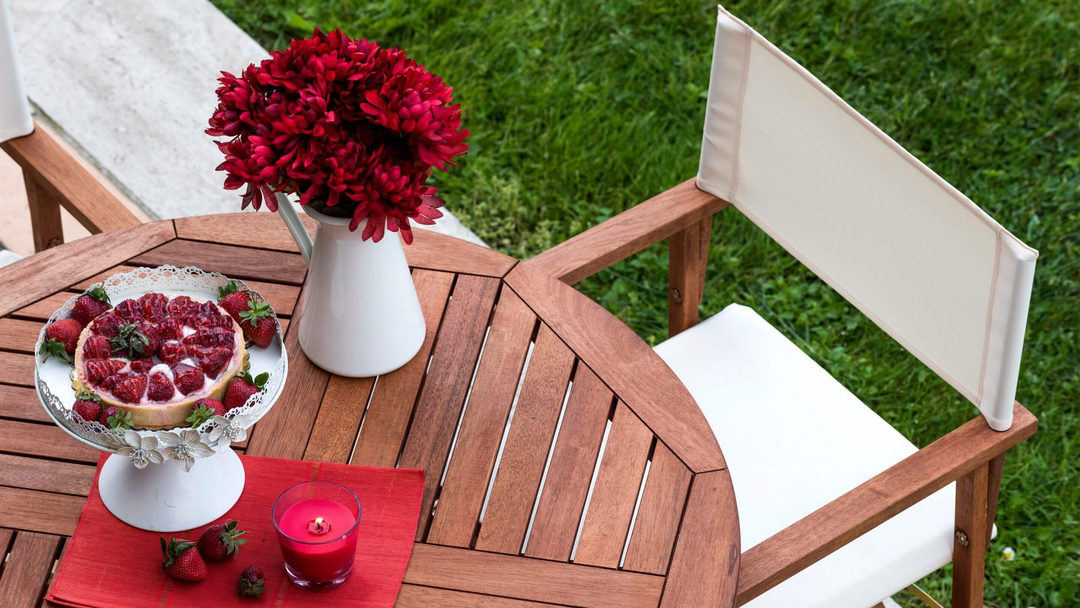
<point x="152" y="306"/>
<point x="258" y="323"/>
<point x="211" y="360"/>
<point x="153" y="340"/>
<point x="141" y="366"/>
<point x="130" y="310"/>
<point x="178" y="306"/>
<point x="160" y="387"/>
<point x="172" y="352"/>
<point x="94" y="302"/>
<point x="130" y="389"/>
<point x="242" y="387"/>
<point x="251" y="582"/>
<point x="87" y="405"/>
<point x="212" y="336"/>
<point x="99" y="369"/>
<point x="220" y="541"/>
<point x="115" y="418"/>
<point x="203" y="410"/>
<point x="233" y="300"/>
<point x="182" y="560"/>
<point x="108" y="324"/>
<point x="170" y="329"/>
<point x="61" y="338"/>
<point x="96" y="347"/>
<point x="188" y="379"/>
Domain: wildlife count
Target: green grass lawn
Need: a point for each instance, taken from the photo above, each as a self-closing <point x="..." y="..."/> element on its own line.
<point x="581" y="109"/>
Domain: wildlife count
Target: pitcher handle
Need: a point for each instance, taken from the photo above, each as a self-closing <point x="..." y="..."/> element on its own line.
<point x="295" y="226"/>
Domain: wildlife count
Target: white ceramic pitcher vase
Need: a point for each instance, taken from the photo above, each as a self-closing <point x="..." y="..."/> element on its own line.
<point x="360" y="316"/>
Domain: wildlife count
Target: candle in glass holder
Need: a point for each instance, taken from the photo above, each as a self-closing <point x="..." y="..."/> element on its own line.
<point x="316" y="523"/>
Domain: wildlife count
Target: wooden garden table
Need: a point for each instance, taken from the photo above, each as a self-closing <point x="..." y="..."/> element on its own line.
<point x="504" y="345"/>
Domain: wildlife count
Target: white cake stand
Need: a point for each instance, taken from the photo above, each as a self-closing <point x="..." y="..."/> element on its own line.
<point x="144" y="483"/>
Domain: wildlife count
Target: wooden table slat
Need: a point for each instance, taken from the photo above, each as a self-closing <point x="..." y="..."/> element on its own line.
<point x="339" y="419"/>
<point x="232" y="261"/>
<point x="462" y="496"/>
<point x="54" y="269"/>
<point x="611" y="507"/>
<point x="43" y="440"/>
<point x="28" y="569"/>
<point x="415" y="596"/>
<point x="43" y="308"/>
<point x="531" y="579"/>
<point x="45" y="475"/>
<point x="39" y="511"/>
<point x="284" y="431"/>
<point x="657" y="522"/>
<point x="451" y="370"/>
<point x="394" y="397"/>
<point x="572" y="463"/>
<point x="532" y="429"/>
<point x="17" y="369"/>
<point x="706" y="558"/>
<point x="19" y="336"/>
<point x="651" y="390"/>
<point x="21" y="402"/>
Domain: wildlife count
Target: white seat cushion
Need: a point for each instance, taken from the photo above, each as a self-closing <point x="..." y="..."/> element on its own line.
<point x="794" y="440"/>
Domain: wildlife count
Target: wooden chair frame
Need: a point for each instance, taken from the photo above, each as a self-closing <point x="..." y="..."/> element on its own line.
<point x="54" y="179"/>
<point x="972" y="455"/>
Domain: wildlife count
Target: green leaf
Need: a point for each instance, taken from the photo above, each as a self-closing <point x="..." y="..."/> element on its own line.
<point x="227" y="288"/>
<point x="55" y="348"/>
<point x="98" y="293"/>
<point x="199" y="415"/>
<point x="121" y="420"/>
<point x="261" y="379"/>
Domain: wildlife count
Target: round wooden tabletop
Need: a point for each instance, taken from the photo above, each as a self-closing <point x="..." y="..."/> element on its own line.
<point x="565" y="464"/>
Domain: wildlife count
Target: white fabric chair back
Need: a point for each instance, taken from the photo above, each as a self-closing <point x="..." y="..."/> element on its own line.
<point x="909" y="250"/>
<point x="15" y="120"/>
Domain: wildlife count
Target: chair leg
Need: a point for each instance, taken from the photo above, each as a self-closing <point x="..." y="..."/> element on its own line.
<point x="687" y="258"/>
<point x="971" y="540"/>
<point x="44" y="215"/>
<point x="997" y="467"/>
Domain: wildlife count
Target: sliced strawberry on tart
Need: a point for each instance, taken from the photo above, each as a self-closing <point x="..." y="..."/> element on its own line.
<point x="155" y="357"/>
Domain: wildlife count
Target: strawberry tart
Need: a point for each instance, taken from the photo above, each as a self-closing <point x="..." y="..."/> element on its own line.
<point x="157" y="356"/>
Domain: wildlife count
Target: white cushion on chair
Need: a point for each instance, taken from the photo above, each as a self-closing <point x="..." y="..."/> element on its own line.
<point x="795" y="439"/>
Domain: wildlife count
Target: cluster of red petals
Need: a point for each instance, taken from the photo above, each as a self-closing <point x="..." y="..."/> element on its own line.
<point x="341" y="121"/>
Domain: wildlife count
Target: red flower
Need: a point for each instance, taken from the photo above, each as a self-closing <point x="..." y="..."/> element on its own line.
<point x="343" y="123"/>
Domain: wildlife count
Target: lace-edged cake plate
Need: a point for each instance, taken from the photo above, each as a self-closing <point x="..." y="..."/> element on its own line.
<point x="138" y="484"/>
<point x="54" y="378"/>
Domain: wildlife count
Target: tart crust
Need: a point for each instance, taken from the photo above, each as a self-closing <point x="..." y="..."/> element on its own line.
<point x="170" y="414"/>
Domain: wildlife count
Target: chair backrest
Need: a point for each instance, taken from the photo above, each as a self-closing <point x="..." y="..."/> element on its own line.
<point x="15" y="118"/>
<point x="910" y="251"/>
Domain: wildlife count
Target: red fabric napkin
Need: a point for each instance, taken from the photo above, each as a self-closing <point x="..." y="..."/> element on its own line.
<point x="109" y="564"/>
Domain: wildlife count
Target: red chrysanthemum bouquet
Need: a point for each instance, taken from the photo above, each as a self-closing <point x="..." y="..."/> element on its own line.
<point x="353" y="128"/>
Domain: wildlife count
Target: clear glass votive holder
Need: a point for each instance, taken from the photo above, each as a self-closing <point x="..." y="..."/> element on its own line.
<point x="316" y="523"/>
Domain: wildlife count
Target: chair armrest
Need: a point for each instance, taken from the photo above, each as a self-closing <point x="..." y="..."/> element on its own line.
<point x="628" y="233"/>
<point x="815" y="536"/>
<point x="64" y="179"/>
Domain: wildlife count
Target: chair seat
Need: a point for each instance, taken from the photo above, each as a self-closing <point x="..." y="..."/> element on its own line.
<point x="794" y="440"/>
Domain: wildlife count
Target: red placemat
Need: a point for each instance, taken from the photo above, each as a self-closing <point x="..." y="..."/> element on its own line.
<point x="109" y="564"/>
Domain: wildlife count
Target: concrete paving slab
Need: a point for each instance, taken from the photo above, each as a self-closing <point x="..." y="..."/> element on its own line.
<point x="132" y="84"/>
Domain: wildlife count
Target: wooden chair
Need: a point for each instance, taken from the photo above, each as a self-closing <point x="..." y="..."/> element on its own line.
<point x="836" y="508"/>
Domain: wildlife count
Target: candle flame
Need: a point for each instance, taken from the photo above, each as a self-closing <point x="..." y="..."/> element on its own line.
<point x="318" y="521"/>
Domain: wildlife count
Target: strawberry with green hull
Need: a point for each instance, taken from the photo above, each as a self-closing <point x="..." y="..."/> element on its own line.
<point x="258" y="323"/>
<point x="87" y="405"/>
<point x="115" y="418"/>
<point x="61" y="338"/>
<point x="221" y="541"/>
<point x="203" y="410"/>
<point x="242" y="387"/>
<point x="233" y="299"/>
<point x="91" y="304"/>
<point x="252" y="582"/>
<point x="182" y="560"/>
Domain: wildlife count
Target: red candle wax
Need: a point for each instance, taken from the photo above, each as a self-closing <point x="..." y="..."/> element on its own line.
<point x="321" y="521"/>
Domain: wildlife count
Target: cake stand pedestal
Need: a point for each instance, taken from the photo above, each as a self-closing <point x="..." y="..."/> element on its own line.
<point x="165" y="498"/>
